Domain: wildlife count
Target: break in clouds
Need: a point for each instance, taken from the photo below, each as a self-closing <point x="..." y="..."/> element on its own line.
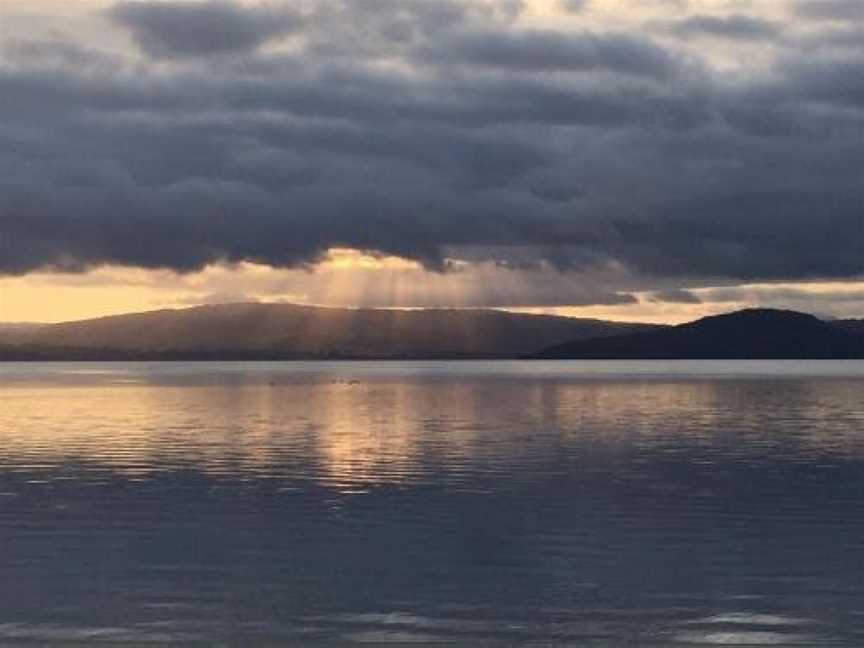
<point x="720" y="143"/>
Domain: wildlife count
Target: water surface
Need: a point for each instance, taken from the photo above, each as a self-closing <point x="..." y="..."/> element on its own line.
<point x="470" y="502"/>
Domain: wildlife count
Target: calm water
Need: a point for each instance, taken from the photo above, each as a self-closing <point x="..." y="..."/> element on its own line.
<point x="480" y="503"/>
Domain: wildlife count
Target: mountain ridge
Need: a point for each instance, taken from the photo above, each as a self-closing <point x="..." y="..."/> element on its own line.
<point x="291" y="331"/>
<point x="256" y="331"/>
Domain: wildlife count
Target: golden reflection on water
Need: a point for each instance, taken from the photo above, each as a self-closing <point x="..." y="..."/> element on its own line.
<point x="349" y="433"/>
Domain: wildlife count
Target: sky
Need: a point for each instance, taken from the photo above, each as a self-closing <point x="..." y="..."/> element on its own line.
<point x="648" y="161"/>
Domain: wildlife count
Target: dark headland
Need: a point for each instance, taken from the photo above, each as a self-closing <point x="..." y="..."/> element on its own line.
<point x="752" y="334"/>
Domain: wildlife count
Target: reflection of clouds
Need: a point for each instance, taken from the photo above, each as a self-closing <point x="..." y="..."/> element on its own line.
<point x="387" y="431"/>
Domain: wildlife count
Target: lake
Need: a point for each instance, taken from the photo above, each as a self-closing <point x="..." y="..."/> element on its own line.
<point x="478" y="503"/>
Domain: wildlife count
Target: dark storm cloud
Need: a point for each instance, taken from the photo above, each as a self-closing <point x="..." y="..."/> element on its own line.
<point x="733" y="27"/>
<point x="167" y="30"/>
<point x="425" y="130"/>
<point x="556" y="189"/>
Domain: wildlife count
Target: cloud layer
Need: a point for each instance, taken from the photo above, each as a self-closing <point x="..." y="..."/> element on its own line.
<point x="447" y="131"/>
<point x="167" y="30"/>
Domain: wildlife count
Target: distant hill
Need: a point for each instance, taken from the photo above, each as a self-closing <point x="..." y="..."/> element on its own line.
<point x="746" y="334"/>
<point x="286" y="331"/>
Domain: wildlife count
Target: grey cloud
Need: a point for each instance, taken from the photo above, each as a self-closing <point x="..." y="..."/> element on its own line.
<point x="56" y="53"/>
<point x="663" y="168"/>
<point x="738" y="27"/>
<point x="781" y="294"/>
<point x="168" y="30"/>
<point x="831" y="81"/>
<point x="675" y="296"/>
<point x="554" y="188"/>
<point x="550" y="51"/>
<point x="385" y="28"/>
<point x="841" y="38"/>
<point x="852" y="10"/>
<point x="573" y="6"/>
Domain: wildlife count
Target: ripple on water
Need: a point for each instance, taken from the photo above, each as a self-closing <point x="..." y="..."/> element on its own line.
<point x="466" y="502"/>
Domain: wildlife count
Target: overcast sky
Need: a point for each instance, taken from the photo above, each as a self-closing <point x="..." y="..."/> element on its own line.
<point x="652" y="160"/>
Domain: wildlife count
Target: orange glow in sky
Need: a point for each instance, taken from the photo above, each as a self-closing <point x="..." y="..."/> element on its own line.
<point x="349" y="278"/>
